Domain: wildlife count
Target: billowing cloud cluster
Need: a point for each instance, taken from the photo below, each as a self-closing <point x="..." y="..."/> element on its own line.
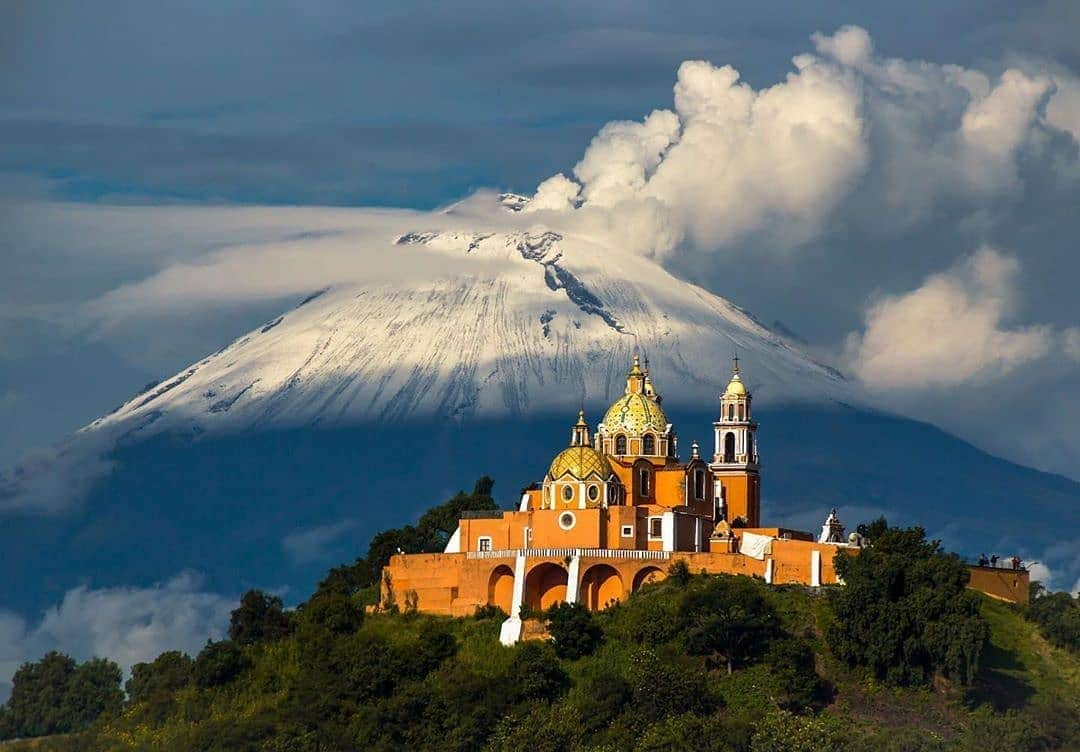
<point x="949" y="330"/>
<point x="125" y="624"/>
<point x="731" y="161"/>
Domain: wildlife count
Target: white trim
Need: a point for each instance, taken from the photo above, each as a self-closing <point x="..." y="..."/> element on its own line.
<point x="627" y="531"/>
<point x="523" y="505"/>
<point x="564" y="515"/>
<point x="510" y="631"/>
<point x="573" y="579"/>
<point x="562" y="553"/>
<point x="815" y="568"/>
<point x="480" y="543"/>
<point x="453" y="546"/>
<point x="769" y="571"/>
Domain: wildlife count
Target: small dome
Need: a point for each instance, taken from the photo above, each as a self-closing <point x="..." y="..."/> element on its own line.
<point x="634" y="413"/>
<point x="735" y="388"/>
<point x="581" y="462"/>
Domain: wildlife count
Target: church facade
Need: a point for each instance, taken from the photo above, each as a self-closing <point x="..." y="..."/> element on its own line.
<point x="616" y="508"/>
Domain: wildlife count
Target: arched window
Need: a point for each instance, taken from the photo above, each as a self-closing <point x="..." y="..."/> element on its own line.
<point x="750" y="446"/>
<point x="742" y="415"/>
<point x="620" y="445"/>
<point x="644" y="478"/>
<point x="729" y="447"/>
<point x="731" y="412"/>
<point x="648" y="444"/>
<point x="699" y="484"/>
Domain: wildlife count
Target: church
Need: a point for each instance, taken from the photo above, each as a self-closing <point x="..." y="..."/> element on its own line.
<point x="616" y="508"/>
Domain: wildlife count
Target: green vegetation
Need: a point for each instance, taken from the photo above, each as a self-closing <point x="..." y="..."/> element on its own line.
<point x="905" y="611"/>
<point x="695" y="662"/>
<point x="1058" y="617"/>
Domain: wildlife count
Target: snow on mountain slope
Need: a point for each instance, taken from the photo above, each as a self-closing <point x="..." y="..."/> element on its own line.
<point x="553" y="329"/>
<point x="526" y="321"/>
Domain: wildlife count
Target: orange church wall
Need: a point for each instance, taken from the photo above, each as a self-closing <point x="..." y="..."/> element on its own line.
<point x="741" y="494"/>
<point x="1011" y="585"/>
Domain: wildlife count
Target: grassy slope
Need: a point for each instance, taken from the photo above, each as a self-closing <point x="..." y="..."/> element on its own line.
<point x="1020" y="674"/>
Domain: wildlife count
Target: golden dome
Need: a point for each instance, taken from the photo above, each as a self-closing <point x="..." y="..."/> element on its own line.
<point x="735" y="387"/>
<point x="634" y="413"/>
<point x="581" y="462"/>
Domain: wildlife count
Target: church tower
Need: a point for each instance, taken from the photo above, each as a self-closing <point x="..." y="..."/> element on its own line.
<point x="737" y="484"/>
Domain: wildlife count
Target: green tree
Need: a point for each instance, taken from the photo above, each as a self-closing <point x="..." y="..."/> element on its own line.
<point x="57" y="695"/>
<point x="37" y="702"/>
<point x="334" y="610"/>
<point x="726" y="616"/>
<point x="573" y="629"/>
<point x="164" y="675"/>
<point x="219" y="663"/>
<point x="260" y="617"/>
<point x="1058" y="617"/>
<point x="93" y="689"/>
<point x="905" y="612"/>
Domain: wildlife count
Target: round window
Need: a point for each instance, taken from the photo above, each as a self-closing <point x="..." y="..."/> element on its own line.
<point x="568" y="492"/>
<point x="594" y="492"/>
<point x="566" y="520"/>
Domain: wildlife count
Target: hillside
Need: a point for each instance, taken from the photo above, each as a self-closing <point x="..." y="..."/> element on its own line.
<point x="409" y="681"/>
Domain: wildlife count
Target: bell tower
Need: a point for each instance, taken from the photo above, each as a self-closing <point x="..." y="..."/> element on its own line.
<point x="737" y="484"/>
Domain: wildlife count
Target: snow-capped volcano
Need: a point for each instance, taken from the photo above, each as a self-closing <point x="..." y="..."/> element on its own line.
<point x="534" y="321"/>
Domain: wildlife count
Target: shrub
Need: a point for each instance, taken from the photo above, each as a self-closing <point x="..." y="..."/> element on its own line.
<point x="334" y="610"/>
<point x="219" y="663"/>
<point x="791" y="664"/>
<point x="573" y="629"/>
<point x="1058" y="617"/>
<point x="536" y="673"/>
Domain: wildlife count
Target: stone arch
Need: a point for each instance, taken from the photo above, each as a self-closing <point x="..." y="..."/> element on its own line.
<point x="501" y="588"/>
<point x="729" y="447"/>
<point x="647" y="575"/>
<point x="545" y="585"/>
<point x="600" y="586"/>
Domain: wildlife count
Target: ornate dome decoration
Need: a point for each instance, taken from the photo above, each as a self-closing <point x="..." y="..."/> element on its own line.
<point x="634" y="413"/>
<point x="635" y="425"/>
<point x="579" y="463"/>
<point x="580" y="476"/>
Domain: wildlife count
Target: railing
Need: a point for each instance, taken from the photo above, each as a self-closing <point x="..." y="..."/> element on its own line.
<point x="552" y="553"/>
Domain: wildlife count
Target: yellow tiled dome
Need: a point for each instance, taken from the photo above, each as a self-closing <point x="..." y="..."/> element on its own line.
<point x="581" y="462"/>
<point x="735" y="388"/>
<point x="634" y="413"/>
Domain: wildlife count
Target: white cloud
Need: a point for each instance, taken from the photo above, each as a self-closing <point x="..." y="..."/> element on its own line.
<point x="125" y="624"/>
<point x="314" y="543"/>
<point x="731" y="161"/>
<point x="948" y="331"/>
